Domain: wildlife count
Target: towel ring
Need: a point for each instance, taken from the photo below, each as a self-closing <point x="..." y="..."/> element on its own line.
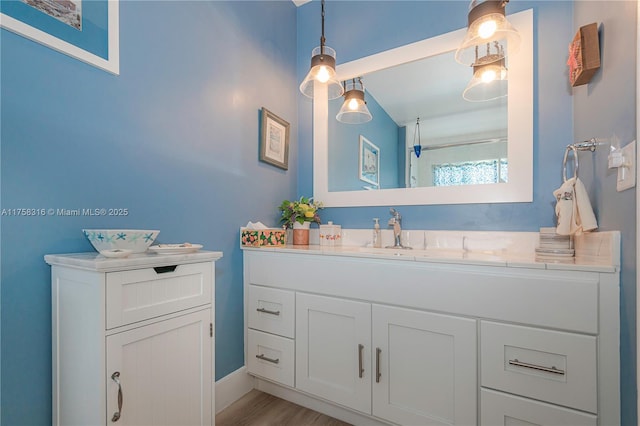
<point x="573" y="148"/>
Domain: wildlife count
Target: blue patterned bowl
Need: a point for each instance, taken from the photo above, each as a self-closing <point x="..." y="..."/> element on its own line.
<point x="136" y="240"/>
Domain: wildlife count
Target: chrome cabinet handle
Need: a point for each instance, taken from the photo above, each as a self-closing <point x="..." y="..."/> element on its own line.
<point x="116" y="378"/>
<point x="266" y="311"/>
<point x="553" y="369"/>
<point x="264" y="358"/>
<point x="378" y="375"/>
<point x="360" y="366"/>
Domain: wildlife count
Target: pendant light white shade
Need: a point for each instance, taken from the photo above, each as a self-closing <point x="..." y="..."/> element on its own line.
<point x="323" y="70"/>
<point x="487" y="24"/>
<point x="489" y="82"/>
<point x="354" y="108"/>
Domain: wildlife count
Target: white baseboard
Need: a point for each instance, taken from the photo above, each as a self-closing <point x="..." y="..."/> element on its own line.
<point x="232" y="387"/>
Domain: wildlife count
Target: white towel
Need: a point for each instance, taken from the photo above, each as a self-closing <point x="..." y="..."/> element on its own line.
<point x="573" y="209"/>
<point x="587" y="220"/>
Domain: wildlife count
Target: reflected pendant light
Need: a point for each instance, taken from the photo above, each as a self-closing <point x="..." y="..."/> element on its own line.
<point x="417" y="147"/>
<point x="354" y="109"/>
<point x="323" y="69"/>
<point x="489" y="79"/>
<point x="487" y="23"/>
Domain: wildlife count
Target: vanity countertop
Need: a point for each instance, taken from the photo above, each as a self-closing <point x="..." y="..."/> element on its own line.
<point x="594" y="252"/>
<point x="513" y="260"/>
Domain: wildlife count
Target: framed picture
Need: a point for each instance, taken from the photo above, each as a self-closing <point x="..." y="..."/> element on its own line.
<point x="274" y="140"/>
<point x="84" y="29"/>
<point x="369" y="162"/>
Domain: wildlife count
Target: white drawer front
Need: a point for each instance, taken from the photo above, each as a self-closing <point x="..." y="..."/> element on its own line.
<point x="497" y="408"/>
<point x="271" y="357"/>
<point x="272" y="310"/>
<point x="551" y="366"/>
<point x="141" y="294"/>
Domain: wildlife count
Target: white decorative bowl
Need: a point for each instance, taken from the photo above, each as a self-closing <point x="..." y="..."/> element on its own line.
<point x="136" y="240"/>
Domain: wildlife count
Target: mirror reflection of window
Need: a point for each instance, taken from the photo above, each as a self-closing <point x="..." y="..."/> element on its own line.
<point x="470" y="163"/>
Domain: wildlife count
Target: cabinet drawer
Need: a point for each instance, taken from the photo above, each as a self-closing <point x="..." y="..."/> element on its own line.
<point x="141" y="294"/>
<point x="551" y="366"/>
<point x="271" y="310"/>
<point x="497" y="408"/>
<point x="271" y="357"/>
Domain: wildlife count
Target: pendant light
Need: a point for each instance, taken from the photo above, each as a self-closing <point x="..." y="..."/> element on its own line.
<point x="323" y="69"/>
<point x="417" y="146"/>
<point x="354" y="109"/>
<point x="489" y="79"/>
<point x="487" y="23"/>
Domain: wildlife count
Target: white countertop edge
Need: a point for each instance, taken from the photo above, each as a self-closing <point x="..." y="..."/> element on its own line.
<point x="579" y="263"/>
<point x="94" y="261"/>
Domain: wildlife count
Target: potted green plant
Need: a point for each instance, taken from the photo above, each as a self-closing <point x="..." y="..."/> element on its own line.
<point x="298" y="215"/>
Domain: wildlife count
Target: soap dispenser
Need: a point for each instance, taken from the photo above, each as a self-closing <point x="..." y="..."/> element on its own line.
<point x="377" y="234"/>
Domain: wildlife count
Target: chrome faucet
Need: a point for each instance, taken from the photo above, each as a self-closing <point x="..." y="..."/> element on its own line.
<point x="396" y="222"/>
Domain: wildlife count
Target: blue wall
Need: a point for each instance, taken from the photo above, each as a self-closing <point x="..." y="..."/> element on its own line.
<point x="606" y="109"/>
<point x="357" y="29"/>
<point x="344" y="145"/>
<point x="174" y="139"/>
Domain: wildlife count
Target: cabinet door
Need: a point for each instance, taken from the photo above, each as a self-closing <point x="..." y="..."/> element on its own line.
<point x="425" y="367"/>
<point x="165" y="372"/>
<point x="333" y="346"/>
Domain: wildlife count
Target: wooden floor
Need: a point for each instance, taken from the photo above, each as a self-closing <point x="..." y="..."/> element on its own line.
<point x="261" y="409"/>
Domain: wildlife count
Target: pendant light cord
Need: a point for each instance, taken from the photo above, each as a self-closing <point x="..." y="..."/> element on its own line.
<point x="322" y="39"/>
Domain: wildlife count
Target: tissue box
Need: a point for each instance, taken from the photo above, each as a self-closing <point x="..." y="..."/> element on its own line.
<point x="271" y="237"/>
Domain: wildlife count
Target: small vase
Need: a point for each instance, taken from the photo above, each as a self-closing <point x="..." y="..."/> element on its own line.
<point x="301" y="234"/>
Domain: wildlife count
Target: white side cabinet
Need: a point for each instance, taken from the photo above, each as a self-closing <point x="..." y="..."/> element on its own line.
<point x="132" y="339"/>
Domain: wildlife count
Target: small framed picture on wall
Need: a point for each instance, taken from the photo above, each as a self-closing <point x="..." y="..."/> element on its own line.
<point x="369" y="162"/>
<point x="274" y="140"/>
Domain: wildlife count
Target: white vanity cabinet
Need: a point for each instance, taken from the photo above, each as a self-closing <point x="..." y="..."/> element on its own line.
<point x="269" y="345"/>
<point x="333" y="349"/>
<point x="424" y="367"/>
<point x="133" y="339"/>
<point x="407" y="366"/>
<point x="409" y="340"/>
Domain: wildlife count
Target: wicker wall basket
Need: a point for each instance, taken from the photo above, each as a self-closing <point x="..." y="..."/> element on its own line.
<point x="584" y="55"/>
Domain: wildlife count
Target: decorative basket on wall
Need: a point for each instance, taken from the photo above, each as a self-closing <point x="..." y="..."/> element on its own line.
<point x="584" y="55"/>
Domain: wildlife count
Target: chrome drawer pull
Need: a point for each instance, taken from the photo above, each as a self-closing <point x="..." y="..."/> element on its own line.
<point x="266" y="311"/>
<point x="553" y="370"/>
<point x="264" y="358"/>
<point x="360" y="366"/>
<point x="116" y="378"/>
<point x="378" y="375"/>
